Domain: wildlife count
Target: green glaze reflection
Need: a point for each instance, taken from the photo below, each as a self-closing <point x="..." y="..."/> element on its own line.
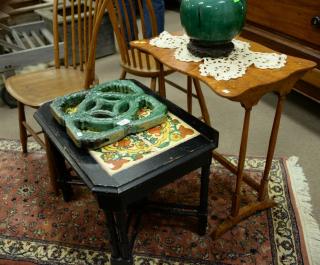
<point x="213" y="21"/>
<point x="107" y="113"/>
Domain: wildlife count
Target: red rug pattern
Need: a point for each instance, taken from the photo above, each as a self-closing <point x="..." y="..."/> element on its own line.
<point x="37" y="227"/>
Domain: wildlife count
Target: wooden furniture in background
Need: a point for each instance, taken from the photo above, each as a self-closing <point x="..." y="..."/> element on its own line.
<point x="34" y="89"/>
<point x="25" y="44"/>
<point x="3" y="16"/>
<point x="22" y="11"/>
<point x="247" y="91"/>
<point x="126" y="27"/>
<point x="17" y="7"/>
<point x="291" y="27"/>
<point x="105" y="40"/>
<point x="117" y="193"/>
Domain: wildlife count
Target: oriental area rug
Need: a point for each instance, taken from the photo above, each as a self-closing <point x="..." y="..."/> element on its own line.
<point x="38" y="227"/>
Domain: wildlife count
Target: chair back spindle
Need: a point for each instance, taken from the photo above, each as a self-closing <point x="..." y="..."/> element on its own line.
<point x="101" y="8"/>
<point x="75" y="23"/>
<point x="128" y="17"/>
<point x="65" y="36"/>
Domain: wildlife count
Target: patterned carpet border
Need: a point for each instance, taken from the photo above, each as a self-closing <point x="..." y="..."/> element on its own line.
<point x="284" y="251"/>
<point x="14" y="145"/>
<point x="300" y="192"/>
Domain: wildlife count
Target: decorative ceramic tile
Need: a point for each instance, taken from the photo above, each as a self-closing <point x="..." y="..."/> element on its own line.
<point x="138" y="147"/>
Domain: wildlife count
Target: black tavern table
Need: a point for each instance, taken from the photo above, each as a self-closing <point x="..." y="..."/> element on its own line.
<point x="117" y="194"/>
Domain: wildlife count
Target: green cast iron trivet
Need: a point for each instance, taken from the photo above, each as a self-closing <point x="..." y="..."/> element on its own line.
<point x="107" y="113"/>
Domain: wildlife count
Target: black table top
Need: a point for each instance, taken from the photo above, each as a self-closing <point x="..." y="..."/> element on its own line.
<point x="160" y="169"/>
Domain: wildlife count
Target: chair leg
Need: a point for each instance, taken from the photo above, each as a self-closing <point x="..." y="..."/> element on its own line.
<point x="153" y="83"/>
<point x="23" y="131"/>
<point x="162" y="87"/>
<point x="189" y="94"/>
<point x="202" y="102"/>
<point x="123" y="74"/>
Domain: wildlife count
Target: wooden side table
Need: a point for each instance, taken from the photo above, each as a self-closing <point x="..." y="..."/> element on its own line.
<point x="247" y="90"/>
<point x="118" y="192"/>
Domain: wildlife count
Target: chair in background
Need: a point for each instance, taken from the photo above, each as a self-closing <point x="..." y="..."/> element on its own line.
<point x="124" y="18"/>
<point x="77" y="71"/>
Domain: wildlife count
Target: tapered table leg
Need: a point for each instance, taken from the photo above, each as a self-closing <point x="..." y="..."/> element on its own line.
<point x="125" y="249"/>
<point x="57" y="170"/>
<point x="51" y="165"/>
<point x="202" y="102"/>
<point x="242" y="155"/>
<point x="203" y="208"/>
<point x="114" y="242"/>
<point x="272" y="144"/>
<point x="121" y="250"/>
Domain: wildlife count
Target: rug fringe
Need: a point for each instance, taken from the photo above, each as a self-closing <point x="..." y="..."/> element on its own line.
<point x="303" y="200"/>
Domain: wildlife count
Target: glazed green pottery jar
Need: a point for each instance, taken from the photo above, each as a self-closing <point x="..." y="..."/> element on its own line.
<point x="212" y="24"/>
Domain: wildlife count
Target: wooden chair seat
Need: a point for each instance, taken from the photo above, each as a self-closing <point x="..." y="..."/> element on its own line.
<point x="141" y="64"/>
<point x="35" y="88"/>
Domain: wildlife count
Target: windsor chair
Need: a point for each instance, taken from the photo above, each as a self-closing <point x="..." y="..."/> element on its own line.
<point x="72" y="72"/>
<point x="124" y="16"/>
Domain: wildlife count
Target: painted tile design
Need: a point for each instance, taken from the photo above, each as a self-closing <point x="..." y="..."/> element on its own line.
<point x="138" y="147"/>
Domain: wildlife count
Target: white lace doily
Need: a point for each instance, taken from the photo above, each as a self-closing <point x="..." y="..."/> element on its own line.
<point x="224" y="68"/>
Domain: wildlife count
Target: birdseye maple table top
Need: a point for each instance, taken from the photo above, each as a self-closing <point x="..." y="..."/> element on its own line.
<point x="247" y="89"/>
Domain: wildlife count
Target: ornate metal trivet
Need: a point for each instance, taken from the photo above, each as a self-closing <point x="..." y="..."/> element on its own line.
<point x="107" y="113"/>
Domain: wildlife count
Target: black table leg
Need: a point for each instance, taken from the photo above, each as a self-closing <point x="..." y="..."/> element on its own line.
<point x="61" y="172"/>
<point x="203" y="207"/>
<point x="120" y="246"/>
<point x="114" y="242"/>
<point x="126" y="251"/>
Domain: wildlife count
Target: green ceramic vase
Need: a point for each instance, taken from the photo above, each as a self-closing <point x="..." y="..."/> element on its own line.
<point x="212" y="22"/>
